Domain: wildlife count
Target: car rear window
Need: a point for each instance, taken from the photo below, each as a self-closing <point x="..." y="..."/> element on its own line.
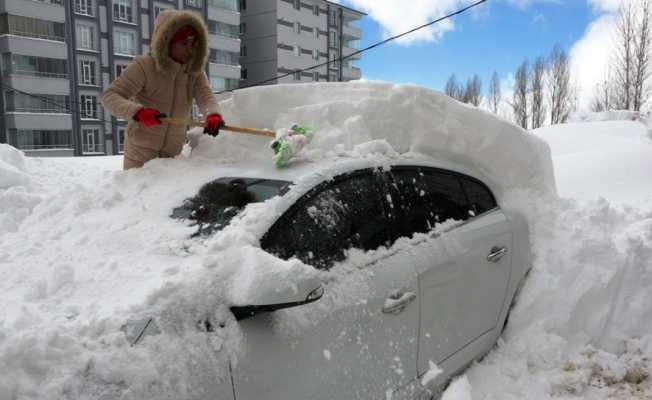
<point x="217" y="202"/>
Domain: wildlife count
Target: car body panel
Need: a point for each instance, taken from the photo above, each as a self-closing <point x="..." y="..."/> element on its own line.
<point x="356" y="352"/>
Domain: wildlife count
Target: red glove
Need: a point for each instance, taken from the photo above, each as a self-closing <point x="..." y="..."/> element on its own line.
<point x="149" y="116"/>
<point x="213" y="124"/>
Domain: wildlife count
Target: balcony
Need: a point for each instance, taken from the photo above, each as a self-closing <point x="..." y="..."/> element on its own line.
<point x="44" y="10"/>
<point x="44" y="121"/>
<point x="351" y="73"/>
<point x="349" y="50"/>
<point x="48" y="83"/>
<point x="351" y="32"/>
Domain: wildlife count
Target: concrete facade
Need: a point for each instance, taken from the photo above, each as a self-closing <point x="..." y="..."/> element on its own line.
<point x="58" y="56"/>
<point x="283" y="36"/>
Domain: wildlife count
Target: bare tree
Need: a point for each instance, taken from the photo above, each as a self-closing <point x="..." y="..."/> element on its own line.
<point x="642" y="47"/>
<point x="537" y="84"/>
<point x="452" y="88"/>
<point x="495" y="95"/>
<point x="623" y="61"/>
<point x="520" y="100"/>
<point x="473" y="91"/>
<point x="559" y="86"/>
<point x="602" y="96"/>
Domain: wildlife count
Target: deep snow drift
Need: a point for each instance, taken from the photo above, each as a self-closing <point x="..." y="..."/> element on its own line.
<point x="84" y="247"/>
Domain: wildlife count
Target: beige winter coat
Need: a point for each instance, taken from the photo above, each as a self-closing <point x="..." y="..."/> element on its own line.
<point x="157" y="81"/>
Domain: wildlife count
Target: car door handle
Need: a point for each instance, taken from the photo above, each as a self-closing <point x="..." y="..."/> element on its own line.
<point x="496" y="253"/>
<point x="396" y="302"/>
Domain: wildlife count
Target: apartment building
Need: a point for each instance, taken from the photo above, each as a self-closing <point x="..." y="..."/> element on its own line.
<point x="59" y="55"/>
<point x="285" y="36"/>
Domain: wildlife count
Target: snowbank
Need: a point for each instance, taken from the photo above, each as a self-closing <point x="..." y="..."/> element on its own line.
<point x="616" y="151"/>
<point x="86" y="247"/>
<point x="410" y="119"/>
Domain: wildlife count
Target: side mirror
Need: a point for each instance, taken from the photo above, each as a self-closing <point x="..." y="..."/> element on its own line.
<point x="269" y="297"/>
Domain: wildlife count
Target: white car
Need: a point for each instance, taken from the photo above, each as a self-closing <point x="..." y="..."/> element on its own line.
<point x="442" y="264"/>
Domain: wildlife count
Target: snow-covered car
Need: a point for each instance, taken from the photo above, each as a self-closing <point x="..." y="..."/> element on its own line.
<point x="435" y="260"/>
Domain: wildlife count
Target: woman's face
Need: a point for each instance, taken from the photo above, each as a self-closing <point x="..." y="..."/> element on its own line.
<point x="182" y="51"/>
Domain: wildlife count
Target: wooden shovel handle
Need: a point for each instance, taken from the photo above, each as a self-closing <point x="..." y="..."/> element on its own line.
<point x="193" y="123"/>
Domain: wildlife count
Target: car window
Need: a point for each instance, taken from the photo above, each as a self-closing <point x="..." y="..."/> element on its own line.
<point x="428" y="197"/>
<point x="480" y="197"/>
<point x="350" y="211"/>
<point x="222" y="199"/>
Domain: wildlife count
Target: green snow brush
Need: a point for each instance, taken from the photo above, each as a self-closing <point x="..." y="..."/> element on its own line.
<point x="285" y="146"/>
<point x="289" y="143"/>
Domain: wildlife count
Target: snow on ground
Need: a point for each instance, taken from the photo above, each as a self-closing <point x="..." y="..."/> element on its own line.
<point x="83" y="246"/>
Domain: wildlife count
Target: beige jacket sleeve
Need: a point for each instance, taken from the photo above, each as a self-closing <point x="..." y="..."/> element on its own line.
<point x="204" y="96"/>
<point x="117" y="98"/>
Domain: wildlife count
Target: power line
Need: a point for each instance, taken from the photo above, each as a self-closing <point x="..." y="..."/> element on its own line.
<point x="340" y="59"/>
<point x="460" y="11"/>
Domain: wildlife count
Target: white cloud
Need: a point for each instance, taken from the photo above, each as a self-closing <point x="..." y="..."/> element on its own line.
<point x="589" y="57"/>
<point x="396" y="17"/>
<point x="605" y="5"/>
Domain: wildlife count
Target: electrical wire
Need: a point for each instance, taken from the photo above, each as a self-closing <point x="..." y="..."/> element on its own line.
<point x="262" y="82"/>
<point x="448" y="16"/>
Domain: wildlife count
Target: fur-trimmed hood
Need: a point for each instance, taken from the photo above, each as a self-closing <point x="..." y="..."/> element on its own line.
<point x="167" y="24"/>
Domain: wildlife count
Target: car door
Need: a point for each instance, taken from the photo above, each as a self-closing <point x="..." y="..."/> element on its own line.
<point x="461" y="292"/>
<point x="366" y="345"/>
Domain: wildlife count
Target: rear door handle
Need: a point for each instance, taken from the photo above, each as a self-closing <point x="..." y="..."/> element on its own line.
<point x="396" y="302"/>
<point x="496" y="253"/>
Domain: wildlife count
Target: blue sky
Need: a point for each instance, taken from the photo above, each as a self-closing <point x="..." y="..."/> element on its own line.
<point x="498" y="35"/>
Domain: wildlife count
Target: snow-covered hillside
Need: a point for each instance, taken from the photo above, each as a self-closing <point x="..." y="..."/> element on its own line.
<point x="83" y="244"/>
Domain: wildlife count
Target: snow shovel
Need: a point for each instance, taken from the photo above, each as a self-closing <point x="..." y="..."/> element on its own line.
<point x="286" y="145"/>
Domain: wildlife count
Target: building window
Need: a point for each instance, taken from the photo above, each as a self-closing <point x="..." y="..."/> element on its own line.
<point x="297" y="4"/>
<point x="243" y="51"/>
<point x="332" y="39"/>
<point x="121" y="139"/>
<point x="332" y="17"/>
<point x="40" y="139"/>
<point x="224" y="57"/>
<point x="315" y="31"/>
<point x="194" y="3"/>
<point x="84" y="7"/>
<point x="297" y="75"/>
<point x="42" y="103"/>
<point x="315" y="76"/>
<point x="36" y="66"/>
<point x="315" y="54"/>
<point x="231" y="5"/>
<point x="123" y="11"/>
<point x="224" y="29"/>
<point x="243" y="73"/>
<point x="119" y="68"/>
<point x="158" y="9"/>
<point x="85" y="37"/>
<point x="243" y="4"/>
<point x="124" y="42"/>
<point x="91" y="141"/>
<point x="296" y="50"/>
<point x="219" y="84"/>
<point x="32" y="27"/>
<point x="243" y="28"/>
<point x="87" y="72"/>
<point x="297" y="28"/>
<point x="315" y="9"/>
<point x="88" y="106"/>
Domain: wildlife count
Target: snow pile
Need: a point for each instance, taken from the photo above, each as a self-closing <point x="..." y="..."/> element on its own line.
<point x="618" y="152"/>
<point x="16" y="197"/>
<point x="583" y="325"/>
<point x="89" y="248"/>
<point x="358" y="117"/>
